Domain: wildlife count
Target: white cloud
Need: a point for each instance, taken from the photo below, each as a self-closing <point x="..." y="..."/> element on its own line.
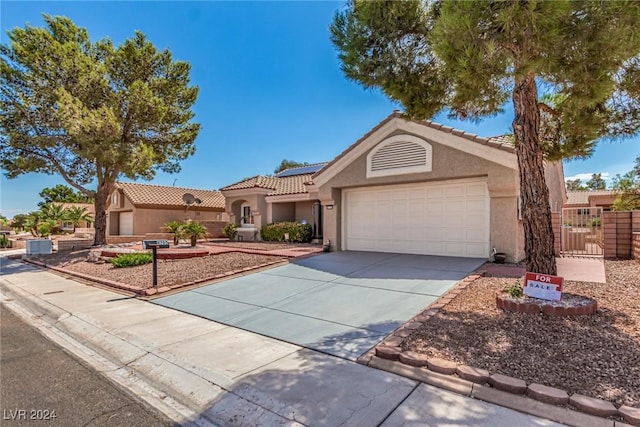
<point x="587" y="176"/>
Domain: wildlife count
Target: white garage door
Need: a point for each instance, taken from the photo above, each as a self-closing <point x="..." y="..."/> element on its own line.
<point x="450" y="218"/>
<point x="126" y="223"/>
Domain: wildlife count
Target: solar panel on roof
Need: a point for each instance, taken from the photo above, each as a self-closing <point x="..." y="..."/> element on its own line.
<point x="301" y="170"/>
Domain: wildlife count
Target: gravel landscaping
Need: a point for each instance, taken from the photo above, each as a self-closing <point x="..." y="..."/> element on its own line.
<point x="170" y="272"/>
<point x="596" y="355"/>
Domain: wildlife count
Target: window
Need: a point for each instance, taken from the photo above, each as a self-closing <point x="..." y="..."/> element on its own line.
<point x="247" y="218"/>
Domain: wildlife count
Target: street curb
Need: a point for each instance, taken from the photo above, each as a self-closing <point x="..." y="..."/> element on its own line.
<point x="389" y="356"/>
<point x="127" y="379"/>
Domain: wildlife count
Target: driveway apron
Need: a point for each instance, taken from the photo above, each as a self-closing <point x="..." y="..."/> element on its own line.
<point x="340" y="303"/>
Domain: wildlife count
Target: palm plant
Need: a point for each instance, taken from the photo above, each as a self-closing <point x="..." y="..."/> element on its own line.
<point x="55" y="213"/>
<point x="31" y="222"/>
<point x="194" y="230"/>
<point x="175" y="227"/>
<point x="77" y="215"/>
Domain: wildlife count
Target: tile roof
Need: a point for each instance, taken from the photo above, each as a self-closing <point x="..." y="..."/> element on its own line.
<point x="501" y="142"/>
<point x="160" y="195"/>
<point x="293" y="184"/>
<point x="581" y="197"/>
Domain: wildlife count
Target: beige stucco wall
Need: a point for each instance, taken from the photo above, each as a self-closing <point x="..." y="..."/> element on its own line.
<point x="447" y="163"/>
<point x="554" y="176"/>
<point x="282" y="212"/>
<point x="148" y="220"/>
<point x="304" y="212"/>
<point x="258" y="208"/>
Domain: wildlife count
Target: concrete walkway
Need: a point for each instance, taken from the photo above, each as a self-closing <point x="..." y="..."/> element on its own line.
<point x="200" y="372"/>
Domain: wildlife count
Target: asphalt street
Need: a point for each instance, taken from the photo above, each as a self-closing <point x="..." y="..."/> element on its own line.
<point x="42" y="385"/>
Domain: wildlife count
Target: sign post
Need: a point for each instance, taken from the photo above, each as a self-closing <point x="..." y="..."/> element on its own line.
<point x="543" y="286"/>
<point x="154" y="245"/>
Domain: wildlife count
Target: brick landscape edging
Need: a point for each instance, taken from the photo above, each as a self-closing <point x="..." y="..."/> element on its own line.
<point x="535" y="399"/>
<point x="509" y="304"/>
<point x="151" y="291"/>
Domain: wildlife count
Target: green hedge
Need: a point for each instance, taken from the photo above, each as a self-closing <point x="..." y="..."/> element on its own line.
<point x="298" y="233"/>
<point x="132" y="259"/>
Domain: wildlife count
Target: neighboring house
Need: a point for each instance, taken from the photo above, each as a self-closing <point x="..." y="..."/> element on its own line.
<point x="406" y="186"/>
<point x="591" y="199"/>
<point x="90" y="211"/>
<point x="259" y="200"/>
<point x="583" y="206"/>
<point x="137" y="209"/>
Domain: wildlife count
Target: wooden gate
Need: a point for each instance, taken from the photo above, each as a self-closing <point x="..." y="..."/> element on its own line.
<point x="582" y="232"/>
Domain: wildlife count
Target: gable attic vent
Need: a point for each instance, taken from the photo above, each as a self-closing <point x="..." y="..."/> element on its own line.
<point x="402" y="154"/>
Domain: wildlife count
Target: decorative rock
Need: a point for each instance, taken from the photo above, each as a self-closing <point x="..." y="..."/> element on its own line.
<point x="413" y="325"/>
<point x="403" y="333"/>
<point x="547" y="394"/>
<point x="413" y="359"/>
<point x="393" y="341"/>
<point x="630" y="415"/>
<point x="442" y="366"/>
<point x="476" y="375"/>
<point x="388" y="352"/>
<point x="510" y="384"/>
<point x="593" y="406"/>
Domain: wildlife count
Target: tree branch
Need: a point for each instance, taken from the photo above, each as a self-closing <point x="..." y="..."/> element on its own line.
<point x="547" y="109"/>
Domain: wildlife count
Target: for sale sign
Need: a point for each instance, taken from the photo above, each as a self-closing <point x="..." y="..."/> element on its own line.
<point x="543" y="286"/>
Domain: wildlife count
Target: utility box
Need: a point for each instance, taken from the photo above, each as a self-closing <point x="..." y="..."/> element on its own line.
<point x="39" y="247"/>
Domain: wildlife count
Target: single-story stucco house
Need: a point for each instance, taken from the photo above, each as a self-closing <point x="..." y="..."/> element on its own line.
<point x="138" y="209"/>
<point x="406" y="186"/>
<point x="591" y="199"/>
<point x="90" y="211"/>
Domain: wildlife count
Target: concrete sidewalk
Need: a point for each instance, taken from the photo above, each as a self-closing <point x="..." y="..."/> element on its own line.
<point x="201" y="372"/>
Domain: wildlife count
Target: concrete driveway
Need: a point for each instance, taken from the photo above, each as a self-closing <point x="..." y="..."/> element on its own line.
<point x="340" y="303"/>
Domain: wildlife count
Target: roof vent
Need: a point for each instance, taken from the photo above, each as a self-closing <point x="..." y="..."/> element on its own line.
<point x="398" y="155"/>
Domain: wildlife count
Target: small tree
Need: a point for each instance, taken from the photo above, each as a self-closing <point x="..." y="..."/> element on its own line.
<point x="92" y="112"/>
<point x="175" y="227"/>
<point x="629" y="187"/>
<point x="575" y="185"/>
<point x="194" y="230"/>
<point x="596" y="182"/>
<point x="62" y="194"/>
<point x="288" y="164"/>
<point x="18" y="222"/>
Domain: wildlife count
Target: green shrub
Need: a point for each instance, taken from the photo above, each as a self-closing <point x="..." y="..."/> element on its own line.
<point x="4" y="241"/>
<point x="514" y="290"/>
<point x="132" y="259"/>
<point x="230" y="231"/>
<point x="298" y="233"/>
<point x="594" y="222"/>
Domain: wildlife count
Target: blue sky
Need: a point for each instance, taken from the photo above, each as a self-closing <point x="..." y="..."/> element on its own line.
<point x="270" y="88"/>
